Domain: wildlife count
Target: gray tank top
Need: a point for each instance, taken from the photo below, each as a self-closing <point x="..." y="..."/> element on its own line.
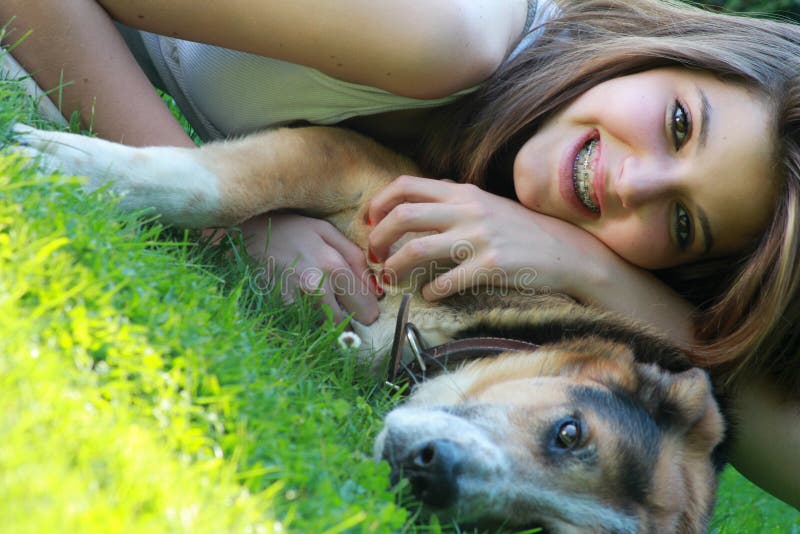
<point x="226" y="93"/>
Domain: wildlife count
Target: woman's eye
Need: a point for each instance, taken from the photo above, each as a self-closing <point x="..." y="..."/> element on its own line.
<point x="681" y="125"/>
<point x="683" y="227"/>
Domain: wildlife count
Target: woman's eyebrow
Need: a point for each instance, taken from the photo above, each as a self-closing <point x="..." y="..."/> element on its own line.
<point x="705" y="117"/>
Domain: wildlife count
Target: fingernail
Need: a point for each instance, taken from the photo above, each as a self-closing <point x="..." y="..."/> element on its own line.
<point x="374" y="281"/>
<point x="386" y="279"/>
<point x="369" y="220"/>
<point x="372" y="257"/>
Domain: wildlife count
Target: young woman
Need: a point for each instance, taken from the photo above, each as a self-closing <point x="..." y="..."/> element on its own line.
<point x="642" y="136"/>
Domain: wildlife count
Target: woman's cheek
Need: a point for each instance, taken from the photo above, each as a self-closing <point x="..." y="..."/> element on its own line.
<point x="640" y="246"/>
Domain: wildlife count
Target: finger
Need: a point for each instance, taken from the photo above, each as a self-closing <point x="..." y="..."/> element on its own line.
<point x="354" y="293"/>
<point x="466" y="276"/>
<point x="352" y="255"/>
<point x="338" y="313"/>
<point x="363" y="305"/>
<point x="404" y="218"/>
<point x="406" y="189"/>
<point x="287" y="285"/>
<point x="310" y="281"/>
<point x="424" y="255"/>
<point x="256" y="233"/>
<point x="337" y="292"/>
<point x="313" y="282"/>
<point x="349" y="278"/>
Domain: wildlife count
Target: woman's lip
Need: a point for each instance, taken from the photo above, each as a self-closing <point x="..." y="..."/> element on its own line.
<point x="566" y="186"/>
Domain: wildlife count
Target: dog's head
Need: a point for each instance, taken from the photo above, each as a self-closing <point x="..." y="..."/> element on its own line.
<point x="577" y="436"/>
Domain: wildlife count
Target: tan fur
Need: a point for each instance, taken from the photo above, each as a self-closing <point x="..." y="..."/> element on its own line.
<point x="496" y="416"/>
<point x="340" y="171"/>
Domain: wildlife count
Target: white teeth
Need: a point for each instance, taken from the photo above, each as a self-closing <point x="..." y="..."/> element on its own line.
<point x="582" y="175"/>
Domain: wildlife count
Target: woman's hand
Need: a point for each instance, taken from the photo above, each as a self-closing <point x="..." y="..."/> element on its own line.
<point x="311" y="256"/>
<point x="490" y="238"/>
<point x="496" y="241"/>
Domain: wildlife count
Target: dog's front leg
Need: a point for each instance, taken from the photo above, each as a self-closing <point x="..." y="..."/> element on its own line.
<point x="169" y="180"/>
<point x="320" y="171"/>
<point x="324" y="172"/>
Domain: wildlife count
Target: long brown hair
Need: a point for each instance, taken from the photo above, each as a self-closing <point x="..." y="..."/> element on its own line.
<point x="749" y="322"/>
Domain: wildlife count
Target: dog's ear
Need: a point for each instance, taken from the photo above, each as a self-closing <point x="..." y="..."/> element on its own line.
<point x="684" y="407"/>
<point x="682" y="401"/>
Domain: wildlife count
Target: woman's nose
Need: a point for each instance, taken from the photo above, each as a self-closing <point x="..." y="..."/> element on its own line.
<point x="641" y="182"/>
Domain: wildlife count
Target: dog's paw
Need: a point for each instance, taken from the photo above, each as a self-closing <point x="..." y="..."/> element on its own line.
<point x="29" y="142"/>
<point x="22" y="133"/>
<point x="67" y="153"/>
<point x="26" y="144"/>
<point x="18" y="132"/>
<point x="33" y="140"/>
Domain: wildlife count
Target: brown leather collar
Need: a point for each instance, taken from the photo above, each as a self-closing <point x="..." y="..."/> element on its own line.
<point x="440" y="356"/>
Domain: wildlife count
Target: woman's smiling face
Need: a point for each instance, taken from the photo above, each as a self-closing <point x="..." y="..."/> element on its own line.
<point x="665" y="167"/>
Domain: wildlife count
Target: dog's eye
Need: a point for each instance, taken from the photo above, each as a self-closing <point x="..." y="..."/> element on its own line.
<point x="569" y="434"/>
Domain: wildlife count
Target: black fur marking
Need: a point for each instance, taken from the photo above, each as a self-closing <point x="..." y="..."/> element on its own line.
<point x="639" y="437"/>
<point x="666" y="414"/>
<point x="647" y="348"/>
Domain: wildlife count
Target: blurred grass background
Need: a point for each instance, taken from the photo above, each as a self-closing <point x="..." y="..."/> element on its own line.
<point x="786" y="8"/>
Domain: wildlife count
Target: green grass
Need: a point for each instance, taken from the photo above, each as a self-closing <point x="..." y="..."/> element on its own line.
<point x="137" y="396"/>
<point x="147" y="385"/>
<point x="743" y="507"/>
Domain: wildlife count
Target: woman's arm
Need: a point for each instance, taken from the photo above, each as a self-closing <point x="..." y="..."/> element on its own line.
<point x="613" y="283"/>
<point x="767" y="431"/>
<point x="418" y="49"/>
<point x="76" y="43"/>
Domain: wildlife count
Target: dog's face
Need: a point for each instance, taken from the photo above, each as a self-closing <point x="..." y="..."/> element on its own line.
<point x="574" y="437"/>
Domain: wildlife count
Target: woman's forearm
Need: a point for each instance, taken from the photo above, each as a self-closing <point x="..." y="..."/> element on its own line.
<point x="75" y="46"/>
<point x="767" y="439"/>
<point x="636" y="293"/>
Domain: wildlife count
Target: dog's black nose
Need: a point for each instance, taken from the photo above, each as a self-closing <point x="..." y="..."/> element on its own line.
<point x="433" y="470"/>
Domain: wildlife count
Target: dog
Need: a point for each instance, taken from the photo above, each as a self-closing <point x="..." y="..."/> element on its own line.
<point x="601" y="427"/>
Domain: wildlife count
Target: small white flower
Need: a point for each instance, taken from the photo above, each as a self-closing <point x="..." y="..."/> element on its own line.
<point x="349" y="341"/>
